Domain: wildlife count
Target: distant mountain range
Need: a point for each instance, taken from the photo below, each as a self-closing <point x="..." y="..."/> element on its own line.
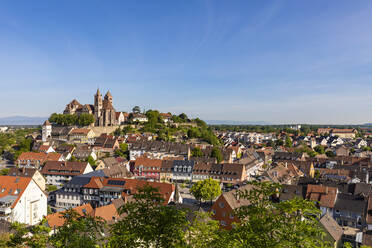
<point x="22" y="120"/>
<point x="229" y="122"/>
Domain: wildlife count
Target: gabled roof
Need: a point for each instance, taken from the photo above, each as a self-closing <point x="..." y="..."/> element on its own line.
<point x="57" y="220"/>
<point x="233" y="200"/>
<point x="326" y="196"/>
<point x="108" y="213"/>
<point x="332" y="227"/>
<point x="12" y="188"/>
<point x="22" y="172"/>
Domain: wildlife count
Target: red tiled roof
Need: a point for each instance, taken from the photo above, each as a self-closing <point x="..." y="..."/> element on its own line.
<point x="57" y="220"/>
<point x="326" y="196"/>
<point x="10" y="185"/>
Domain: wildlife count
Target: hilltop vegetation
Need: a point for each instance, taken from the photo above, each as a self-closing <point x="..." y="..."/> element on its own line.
<point x="182" y="127"/>
<point x="83" y="119"/>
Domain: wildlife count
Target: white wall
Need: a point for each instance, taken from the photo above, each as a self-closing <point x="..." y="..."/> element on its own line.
<point x="31" y="207"/>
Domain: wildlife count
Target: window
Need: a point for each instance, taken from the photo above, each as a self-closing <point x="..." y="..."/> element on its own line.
<point x="231" y="216"/>
<point x="221" y="205"/>
<point x="223" y="223"/>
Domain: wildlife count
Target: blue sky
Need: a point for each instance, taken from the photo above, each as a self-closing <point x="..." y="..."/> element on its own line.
<point x="274" y="61"/>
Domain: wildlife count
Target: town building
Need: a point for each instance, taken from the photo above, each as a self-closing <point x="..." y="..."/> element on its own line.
<point x="29" y="172"/>
<point x="58" y="173"/>
<point x="21" y="200"/>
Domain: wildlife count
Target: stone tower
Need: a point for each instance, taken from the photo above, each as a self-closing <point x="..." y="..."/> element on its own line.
<point x="108" y="97"/>
<point x="46" y="131"/>
<point x="98" y="104"/>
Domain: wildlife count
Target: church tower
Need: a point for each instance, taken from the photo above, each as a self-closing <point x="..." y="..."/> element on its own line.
<point x="108" y="97"/>
<point x="98" y="104"/>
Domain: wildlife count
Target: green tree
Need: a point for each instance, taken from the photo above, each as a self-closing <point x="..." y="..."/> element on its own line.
<point x="149" y="223"/>
<point x="203" y="232"/>
<point x="216" y="153"/>
<point x="85" y="119"/>
<point x="197" y="152"/>
<point x="291" y="223"/>
<point x="78" y="230"/>
<point x="207" y="190"/>
<point x="4" y="172"/>
<point x="38" y="237"/>
<point x="136" y="110"/>
<point x="319" y="149"/>
<point x="330" y="154"/>
<point x="288" y="142"/>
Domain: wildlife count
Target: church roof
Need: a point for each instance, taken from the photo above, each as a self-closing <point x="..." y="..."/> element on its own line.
<point x="75" y="102"/>
<point x="46" y="123"/>
<point x="108" y="94"/>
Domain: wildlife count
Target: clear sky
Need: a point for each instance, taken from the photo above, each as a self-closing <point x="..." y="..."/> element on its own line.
<point x="274" y="61"/>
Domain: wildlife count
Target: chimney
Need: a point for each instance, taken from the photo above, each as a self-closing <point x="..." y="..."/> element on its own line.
<point x="23" y="170"/>
<point x="286" y="164"/>
<point x="326" y="191"/>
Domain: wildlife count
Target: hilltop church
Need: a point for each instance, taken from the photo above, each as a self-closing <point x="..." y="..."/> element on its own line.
<point x="103" y="110"/>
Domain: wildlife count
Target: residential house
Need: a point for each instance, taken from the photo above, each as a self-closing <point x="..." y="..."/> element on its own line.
<point x="359" y="143"/>
<point x="332" y="230"/>
<point x="46" y="149"/>
<point x="182" y="170"/>
<point x="166" y="174"/>
<point x="70" y="195"/>
<point x="289" y="192"/>
<point x="147" y="168"/>
<point x="349" y="210"/>
<point x="37" y="159"/>
<point x="223" y="208"/>
<point x="120" y="119"/>
<point x="82" y="152"/>
<point x="344" y="133"/>
<point x="342" y="151"/>
<point x="167" y="117"/>
<point x="82" y="136"/>
<point x="58" y="173"/>
<point x="66" y="150"/>
<point x="158" y="150"/>
<point x="56" y="220"/>
<point x="102" y="191"/>
<point x="21" y="200"/>
<point x="61" y="133"/>
<point x="324" y="196"/>
<point x="283" y="173"/>
<point x="29" y="172"/>
<point x="139" y="118"/>
<point x="105" y="144"/>
<point x="201" y="171"/>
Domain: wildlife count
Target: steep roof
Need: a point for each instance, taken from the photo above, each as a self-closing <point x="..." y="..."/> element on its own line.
<point x="332" y="227"/>
<point x="12" y="188"/>
<point x="22" y="172"/>
<point x="108" y="213"/>
<point x="233" y="200"/>
<point x="57" y="220"/>
<point x="46" y="123"/>
<point x="326" y="196"/>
